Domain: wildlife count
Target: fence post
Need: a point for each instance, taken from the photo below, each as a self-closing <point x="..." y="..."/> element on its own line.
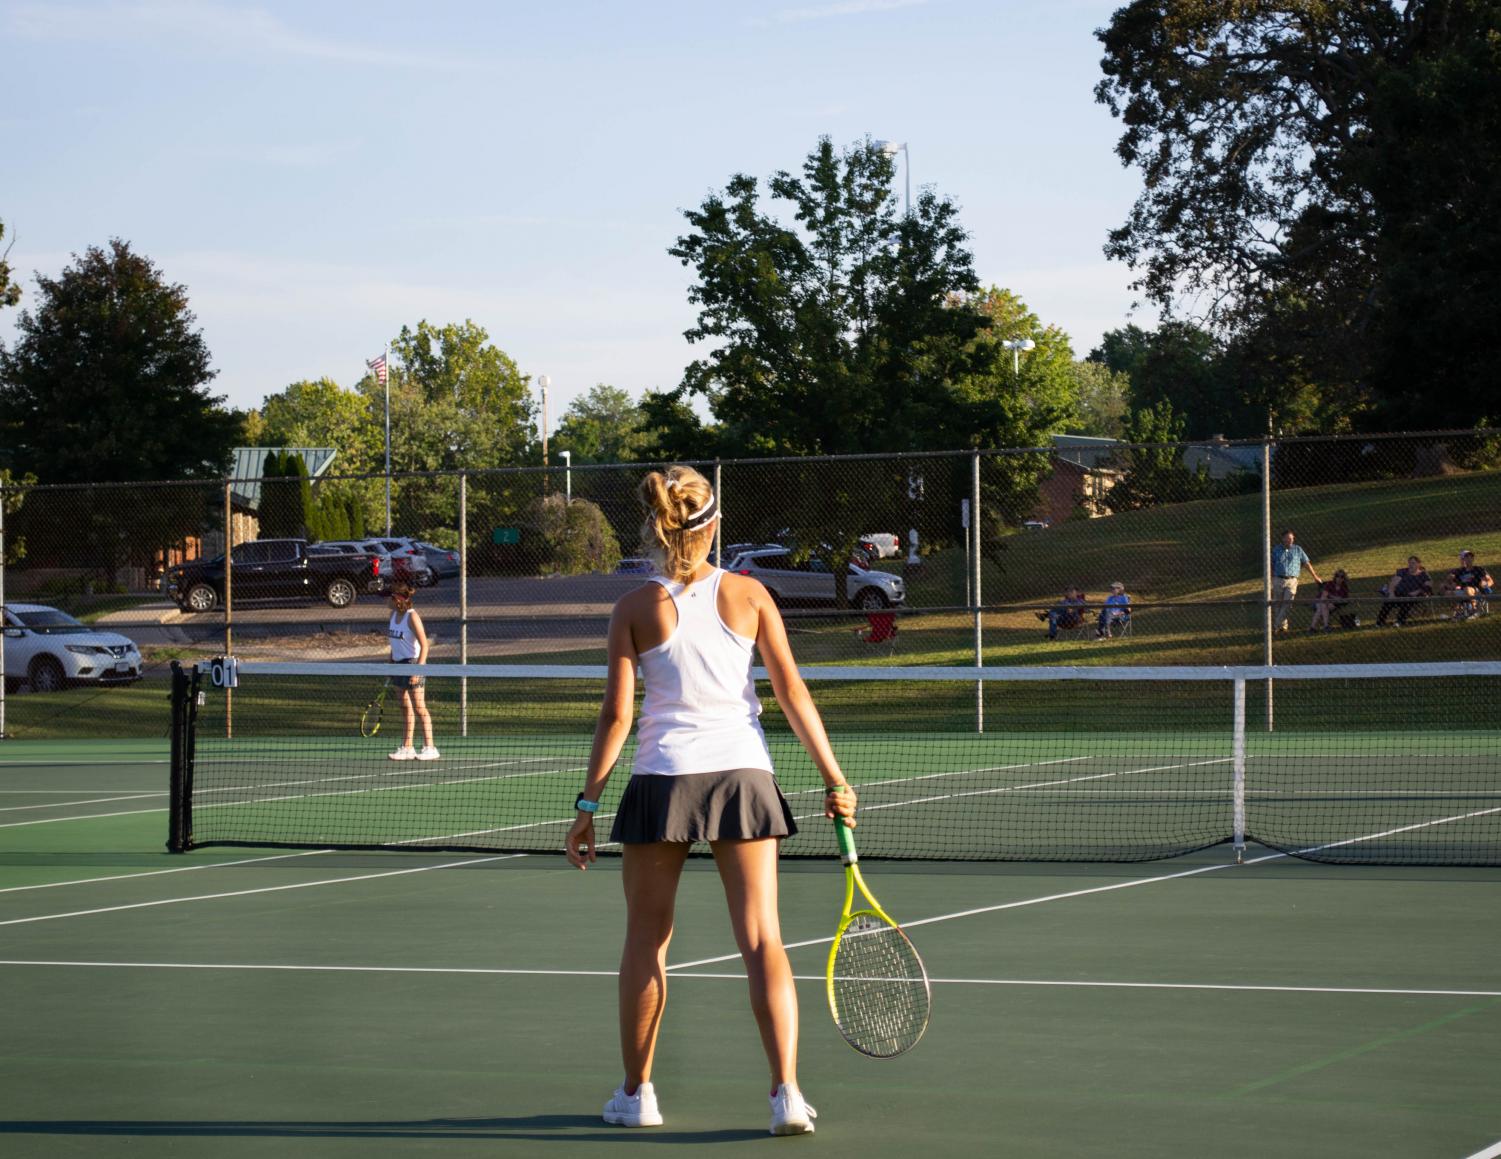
<point x="1266" y="567"/>
<point x="719" y="560"/>
<point x="464" y="600"/>
<point x="974" y="511"/>
<point x="229" y="645"/>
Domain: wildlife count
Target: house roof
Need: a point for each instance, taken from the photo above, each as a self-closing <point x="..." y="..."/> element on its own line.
<point x="1095" y="454"/>
<point x="250" y="464"/>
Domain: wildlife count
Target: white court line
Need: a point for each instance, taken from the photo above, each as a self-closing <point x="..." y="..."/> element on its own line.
<point x="80" y="817"/>
<point x="90" y="801"/>
<point x="159" y="872"/>
<point x="109" y="909"/>
<point x="284" y="967"/>
<point x="6" y="766"/>
<point x="1489" y="1153"/>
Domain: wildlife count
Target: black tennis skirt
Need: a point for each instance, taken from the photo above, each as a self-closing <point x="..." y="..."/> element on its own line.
<point x="734" y="804"/>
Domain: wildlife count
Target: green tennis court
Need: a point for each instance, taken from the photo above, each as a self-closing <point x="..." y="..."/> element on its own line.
<point x="234" y="1002"/>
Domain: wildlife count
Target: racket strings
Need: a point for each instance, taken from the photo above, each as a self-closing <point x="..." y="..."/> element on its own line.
<point x="880" y="990"/>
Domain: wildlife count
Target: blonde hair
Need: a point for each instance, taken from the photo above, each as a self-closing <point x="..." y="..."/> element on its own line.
<point x="672" y="498"/>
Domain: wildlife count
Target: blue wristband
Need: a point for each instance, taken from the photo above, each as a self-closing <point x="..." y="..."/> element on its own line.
<point x="584" y="806"/>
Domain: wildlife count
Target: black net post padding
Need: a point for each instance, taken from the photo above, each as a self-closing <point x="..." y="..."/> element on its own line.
<point x="184" y="696"/>
<point x="176" y="834"/>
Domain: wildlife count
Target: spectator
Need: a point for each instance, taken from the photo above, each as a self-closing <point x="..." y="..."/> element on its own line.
<point x="1068" y="612"/>
<point x="1288" y="562"/>
<point x="1333" y="595"/>
<point x="1407" y="585"/>
<point x="1467" y="586"/>
<point x="1117" y="610"/>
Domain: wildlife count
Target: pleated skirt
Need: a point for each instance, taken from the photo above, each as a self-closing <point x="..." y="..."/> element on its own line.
<point x="733" y="804"/>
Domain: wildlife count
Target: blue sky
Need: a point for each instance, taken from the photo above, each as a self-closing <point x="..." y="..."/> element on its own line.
<point x="320" y="173"/>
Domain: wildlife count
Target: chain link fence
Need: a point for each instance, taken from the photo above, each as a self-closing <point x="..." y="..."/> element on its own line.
<point x="996" y="557"/>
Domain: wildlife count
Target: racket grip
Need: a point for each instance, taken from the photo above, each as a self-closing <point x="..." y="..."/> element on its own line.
<point x="846" y="837"/>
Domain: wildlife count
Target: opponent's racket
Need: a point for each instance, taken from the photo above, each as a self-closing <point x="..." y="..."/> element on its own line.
<point x="370" y="718"/>
<point x="878" y="989"/>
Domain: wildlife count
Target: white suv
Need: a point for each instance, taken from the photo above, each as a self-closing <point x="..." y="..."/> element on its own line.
<point x="49" y="650"/>
<point x="811" y="581"/>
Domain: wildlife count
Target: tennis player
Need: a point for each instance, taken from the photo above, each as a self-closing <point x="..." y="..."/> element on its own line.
<point x="702" y="772"/>
<point x="409" y="645"/>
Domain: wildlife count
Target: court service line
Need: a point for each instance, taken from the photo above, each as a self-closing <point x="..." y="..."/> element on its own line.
<point x="159" y="872"/>
<point x="108" y="909"/>
<point x="1490" y="1152"/>
<point x="80" y="817"/>
<point x="287" y="967"/>
<point x="90" y="801"/>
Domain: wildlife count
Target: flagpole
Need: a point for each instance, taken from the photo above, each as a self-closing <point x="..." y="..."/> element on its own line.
<point x="386" y="363"/>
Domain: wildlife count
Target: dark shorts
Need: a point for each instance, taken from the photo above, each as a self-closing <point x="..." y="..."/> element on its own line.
<point x="401" y="683"/>
<point x="735" y="804"/>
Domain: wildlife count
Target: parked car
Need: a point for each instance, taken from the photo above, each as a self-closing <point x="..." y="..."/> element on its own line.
<point x="881" y="545"/>
<point x="443" y="560"/>
<point x="408" y="557"/>
<point x="385" y="570"/>
<point x="274" y="569"/>
<point x="49" y="650"/>
<point x="812" y="581"/>
<point x="635" y="566"/>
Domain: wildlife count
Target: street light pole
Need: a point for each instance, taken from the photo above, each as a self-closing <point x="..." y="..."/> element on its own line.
<point x="891" y="149"/>
<point x="543" y="382"/>
<point x="567" y="457"/>
<point x="1016" y="346"/>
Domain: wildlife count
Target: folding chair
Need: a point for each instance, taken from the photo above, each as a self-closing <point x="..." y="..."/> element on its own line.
<point x="882" y="630"/>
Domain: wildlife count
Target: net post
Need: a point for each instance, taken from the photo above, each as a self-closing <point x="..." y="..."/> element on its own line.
<point x="1238" y="764"/>
<point x="974" y="503"/>
<point x="464" y="599"/>
<point x="1266" y="566"/>
<point x="229" y="647"/>
<point x="176" y="832"/>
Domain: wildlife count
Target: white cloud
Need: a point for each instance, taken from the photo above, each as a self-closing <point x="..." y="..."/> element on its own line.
<point x="234" y="31"/>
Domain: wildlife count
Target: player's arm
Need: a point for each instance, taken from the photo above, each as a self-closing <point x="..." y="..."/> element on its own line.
<point x="610" y="731"/>
<point x="797" y="704"/>
<point x="421" y="633"/>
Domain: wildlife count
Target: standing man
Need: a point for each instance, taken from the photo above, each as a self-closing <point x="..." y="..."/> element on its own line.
<point x="1288" y="561"/>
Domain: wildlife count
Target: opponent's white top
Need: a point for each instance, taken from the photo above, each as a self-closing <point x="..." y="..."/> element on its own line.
<point x="403" y="639"/>
<point x="700" y="713"/>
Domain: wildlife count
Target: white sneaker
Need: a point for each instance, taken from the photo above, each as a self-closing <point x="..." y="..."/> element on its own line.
<point x="428" y="753"/>
<point x="405" y="753"/>
<point x="638" y="1110"/>
<point x="789" y="1114"/>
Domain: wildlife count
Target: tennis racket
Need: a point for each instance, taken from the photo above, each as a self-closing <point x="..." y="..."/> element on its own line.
<point x="370" y="718"/>
<point x="878" y="989"/>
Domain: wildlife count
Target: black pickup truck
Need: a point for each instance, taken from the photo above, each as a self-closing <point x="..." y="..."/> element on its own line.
<point x="274" y="569"/>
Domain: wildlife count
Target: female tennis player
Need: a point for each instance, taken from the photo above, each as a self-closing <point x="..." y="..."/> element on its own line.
<point x="409" y="645"/>
<point x="702" y="773"/>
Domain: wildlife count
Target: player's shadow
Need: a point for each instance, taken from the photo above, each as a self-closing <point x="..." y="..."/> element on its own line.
<point x="561" y="1129"/>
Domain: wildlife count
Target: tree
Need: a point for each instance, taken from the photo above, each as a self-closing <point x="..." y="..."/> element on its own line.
<point x="574" y="538"/>
<point x="603" y="426"/>
<point x="10" y="293"/>
<point x="1154" y="474"/>
<point x="847" y="330"/>
<point x="672" y="430"/>
<point x="108" y="377"/>
<point x="1102" y="397"/>
<point x="1304" y="164"/>
<point x="321" y="413"/>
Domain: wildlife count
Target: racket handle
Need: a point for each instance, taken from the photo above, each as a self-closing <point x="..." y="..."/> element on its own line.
<point x="846" y="837"/>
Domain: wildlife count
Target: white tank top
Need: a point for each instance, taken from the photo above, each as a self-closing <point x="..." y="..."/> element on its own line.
<point x="700" y="713"/>
<point x="403" y="639"/>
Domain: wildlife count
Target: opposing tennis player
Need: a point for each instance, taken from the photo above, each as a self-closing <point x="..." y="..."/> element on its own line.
<point x="702" y="772"/>
<point x="409" y="645"/>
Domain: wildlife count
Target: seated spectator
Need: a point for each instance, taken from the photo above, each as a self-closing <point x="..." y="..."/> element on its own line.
<point x="1467" y="585"/>
<point x="1068" y="612"/>
<point x="1407" y="585"/>
<point x="1333" y="595"/>
<point x="1117" y="611"/>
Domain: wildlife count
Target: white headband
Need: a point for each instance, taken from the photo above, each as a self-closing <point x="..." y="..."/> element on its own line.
<point x="705" y="515"/>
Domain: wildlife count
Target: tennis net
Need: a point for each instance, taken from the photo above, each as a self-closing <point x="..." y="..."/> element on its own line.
<point x="1385" y="764"/>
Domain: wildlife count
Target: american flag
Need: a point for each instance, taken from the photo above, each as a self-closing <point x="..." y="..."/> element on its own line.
<point x="378" y="364"/>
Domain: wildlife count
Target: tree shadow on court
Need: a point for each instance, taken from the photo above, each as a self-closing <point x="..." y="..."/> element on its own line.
<point x="561" y="1129"/>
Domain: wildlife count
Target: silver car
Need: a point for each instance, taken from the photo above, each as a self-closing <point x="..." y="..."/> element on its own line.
<point x="812" y="581"/>
<point x="49" y="649"/>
